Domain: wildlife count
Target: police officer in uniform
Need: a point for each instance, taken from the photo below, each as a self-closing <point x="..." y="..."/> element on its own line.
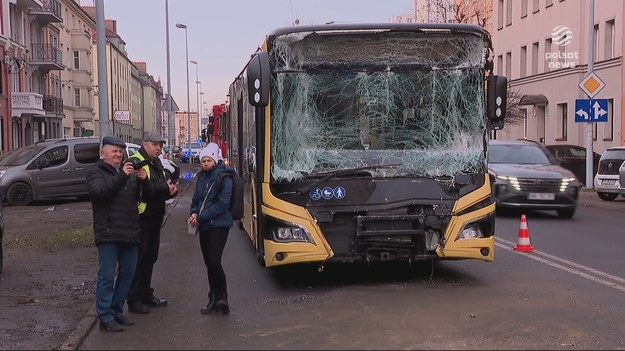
<point x="155" y="190"/>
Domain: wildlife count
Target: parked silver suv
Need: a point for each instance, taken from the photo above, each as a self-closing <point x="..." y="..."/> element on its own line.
<point x="47" y="169"/>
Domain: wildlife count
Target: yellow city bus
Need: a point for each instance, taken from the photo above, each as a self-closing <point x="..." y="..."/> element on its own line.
<point x="367" y="142"/>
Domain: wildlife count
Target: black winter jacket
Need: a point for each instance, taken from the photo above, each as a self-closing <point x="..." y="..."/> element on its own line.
<point x="114" y="198"/>
<point x="154" y="191"/>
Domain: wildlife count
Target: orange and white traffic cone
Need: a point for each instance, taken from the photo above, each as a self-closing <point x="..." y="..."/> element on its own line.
<point x="524" y="237"/>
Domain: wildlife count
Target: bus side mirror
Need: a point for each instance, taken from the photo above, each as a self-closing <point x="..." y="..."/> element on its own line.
<point x="497" y="94"/>
<point x="258" y="79"/>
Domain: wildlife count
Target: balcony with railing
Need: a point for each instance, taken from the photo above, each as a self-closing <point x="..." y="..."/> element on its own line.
<point x="27" y="103"/>
<point x="53" y="106"/>
<point x="49" y="12"/>
<point x="46" y="56"/>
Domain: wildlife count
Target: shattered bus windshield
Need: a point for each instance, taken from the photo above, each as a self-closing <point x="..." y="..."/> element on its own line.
<point x="343" y="101"/>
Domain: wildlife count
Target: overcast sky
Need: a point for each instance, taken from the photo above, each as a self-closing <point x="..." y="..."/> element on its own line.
<point x="222" y="34"/>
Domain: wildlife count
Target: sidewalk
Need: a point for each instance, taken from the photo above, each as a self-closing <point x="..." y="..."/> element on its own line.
<point x="589" y="198"/>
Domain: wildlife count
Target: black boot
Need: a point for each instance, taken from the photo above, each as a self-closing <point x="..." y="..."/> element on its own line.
<point x="221" y="305"/>
<point x="211" y="304"/>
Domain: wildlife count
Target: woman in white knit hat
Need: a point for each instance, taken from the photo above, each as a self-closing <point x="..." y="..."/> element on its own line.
<point x="210" y="210"/>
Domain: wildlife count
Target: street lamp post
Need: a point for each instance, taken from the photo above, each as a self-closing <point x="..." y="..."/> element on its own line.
<point x="186" y="41"/>
<point x="197" y="92"/>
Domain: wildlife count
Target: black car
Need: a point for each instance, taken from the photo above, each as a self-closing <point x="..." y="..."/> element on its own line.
<point x="527" y="176"/>
<point x="573" y="158"/>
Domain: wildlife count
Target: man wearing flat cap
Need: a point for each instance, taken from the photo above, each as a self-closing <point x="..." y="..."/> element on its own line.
<point x="114" y="193"/>
<point x="156" y="188"/>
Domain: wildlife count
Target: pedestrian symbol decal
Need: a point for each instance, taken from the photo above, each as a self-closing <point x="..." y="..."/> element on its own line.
<point x="339" y="192"/>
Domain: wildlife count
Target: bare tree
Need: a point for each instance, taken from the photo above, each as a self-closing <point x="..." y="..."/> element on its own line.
<point x="514" y="115"/>
<point x="455" y="11"/>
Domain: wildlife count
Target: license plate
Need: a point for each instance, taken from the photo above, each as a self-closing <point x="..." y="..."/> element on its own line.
<point x="541" y="196"/>
<point x="608" y="182"/>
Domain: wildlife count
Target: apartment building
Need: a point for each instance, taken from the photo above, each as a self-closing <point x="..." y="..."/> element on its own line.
<point x="76" y="80"/>
<point x="34" y="59"/>
<point x="119" y="82"/>
<point x="6" y="58"/>
<point x="152" y="95"/>
<point x="181" y="127"/>
<point x="542" y="46"/>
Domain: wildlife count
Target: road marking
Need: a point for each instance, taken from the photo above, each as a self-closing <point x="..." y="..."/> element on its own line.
<point x="592" y="274"/>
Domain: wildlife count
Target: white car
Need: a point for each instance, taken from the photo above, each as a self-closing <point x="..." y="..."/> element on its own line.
<point x="607" y="182"/>
<point x="192" y="154"/>
<point x="171" y="166"/>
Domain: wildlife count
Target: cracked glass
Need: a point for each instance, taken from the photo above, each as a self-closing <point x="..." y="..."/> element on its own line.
<point x="343" y="100"/>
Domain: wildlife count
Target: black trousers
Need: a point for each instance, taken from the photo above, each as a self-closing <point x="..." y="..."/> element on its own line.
<point x="150" y="241"/>
<point x="212" y="243"/>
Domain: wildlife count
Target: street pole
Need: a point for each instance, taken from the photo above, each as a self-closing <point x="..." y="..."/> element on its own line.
<point x="103" y="107"/>
<point x="591" y="47"/>
<point x="197" y="91"/>
<point x="186" y="40"/>
<point x="168" y="101"/>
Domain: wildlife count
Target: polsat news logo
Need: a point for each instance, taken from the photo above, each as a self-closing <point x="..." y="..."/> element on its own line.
<point x="561" y="36"/>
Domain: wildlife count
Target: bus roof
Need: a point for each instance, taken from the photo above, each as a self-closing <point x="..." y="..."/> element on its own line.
<point x="410" y="27"/>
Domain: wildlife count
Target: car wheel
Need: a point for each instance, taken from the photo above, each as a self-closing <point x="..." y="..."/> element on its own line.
<point x="19" y="194"/>
<point x="568" y="213"/>
<point x="607" y="196"/>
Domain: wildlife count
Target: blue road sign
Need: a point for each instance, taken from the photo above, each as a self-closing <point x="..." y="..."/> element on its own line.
<point x="591" y="110"/>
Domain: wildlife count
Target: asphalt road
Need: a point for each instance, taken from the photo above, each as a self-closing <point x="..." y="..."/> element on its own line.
<point x="515" y="303"/>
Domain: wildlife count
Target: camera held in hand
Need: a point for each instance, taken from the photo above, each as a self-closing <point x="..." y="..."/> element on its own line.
<point x="137" y="164"/>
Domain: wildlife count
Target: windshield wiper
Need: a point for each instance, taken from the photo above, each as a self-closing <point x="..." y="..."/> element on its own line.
<point x="343" y="172"/>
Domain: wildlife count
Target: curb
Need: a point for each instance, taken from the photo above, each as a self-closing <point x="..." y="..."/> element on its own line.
<point x="76" y="337"/>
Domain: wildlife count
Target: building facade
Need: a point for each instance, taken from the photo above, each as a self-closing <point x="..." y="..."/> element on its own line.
<point x="35" y="59"/>
<point x="542" y="46"/>
<point x="152" y="93"/>
<point x="181" y="127"/>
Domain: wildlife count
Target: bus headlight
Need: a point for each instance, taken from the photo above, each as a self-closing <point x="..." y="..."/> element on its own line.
<point x="471" y="232"/>
<point x="288" y="234"/>
<point x="481" y="227"/>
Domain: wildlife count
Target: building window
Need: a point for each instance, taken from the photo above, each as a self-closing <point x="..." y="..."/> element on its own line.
<point x="524" y="8"/>
<point x="76" y="60"/>
<point x="562" y="120"/>
<point x="523" y="61"/>
<point x="77" y="97"/>
<point x="524" y="116"/>
<point x="608" y="127"/>
<point x="500" y="14"/>
<point x="536" y="6"/>
<point x="509" y="65"/>
<point x="535" y="58"/>
<point x="609" y="39"/>
<point x="548" y="54"/>
<point x="508" y="12"/>
<point x="500" y="65"/>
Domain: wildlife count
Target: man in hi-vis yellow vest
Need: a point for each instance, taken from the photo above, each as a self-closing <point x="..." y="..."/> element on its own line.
<point x="156" y="188"/>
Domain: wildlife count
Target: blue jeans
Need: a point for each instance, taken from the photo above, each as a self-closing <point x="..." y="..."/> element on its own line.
<point x="111" y="293"/>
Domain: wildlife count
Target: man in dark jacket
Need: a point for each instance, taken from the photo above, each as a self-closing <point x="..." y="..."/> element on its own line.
<point x="114" y="194"/>
<point x="156" y="188"/>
